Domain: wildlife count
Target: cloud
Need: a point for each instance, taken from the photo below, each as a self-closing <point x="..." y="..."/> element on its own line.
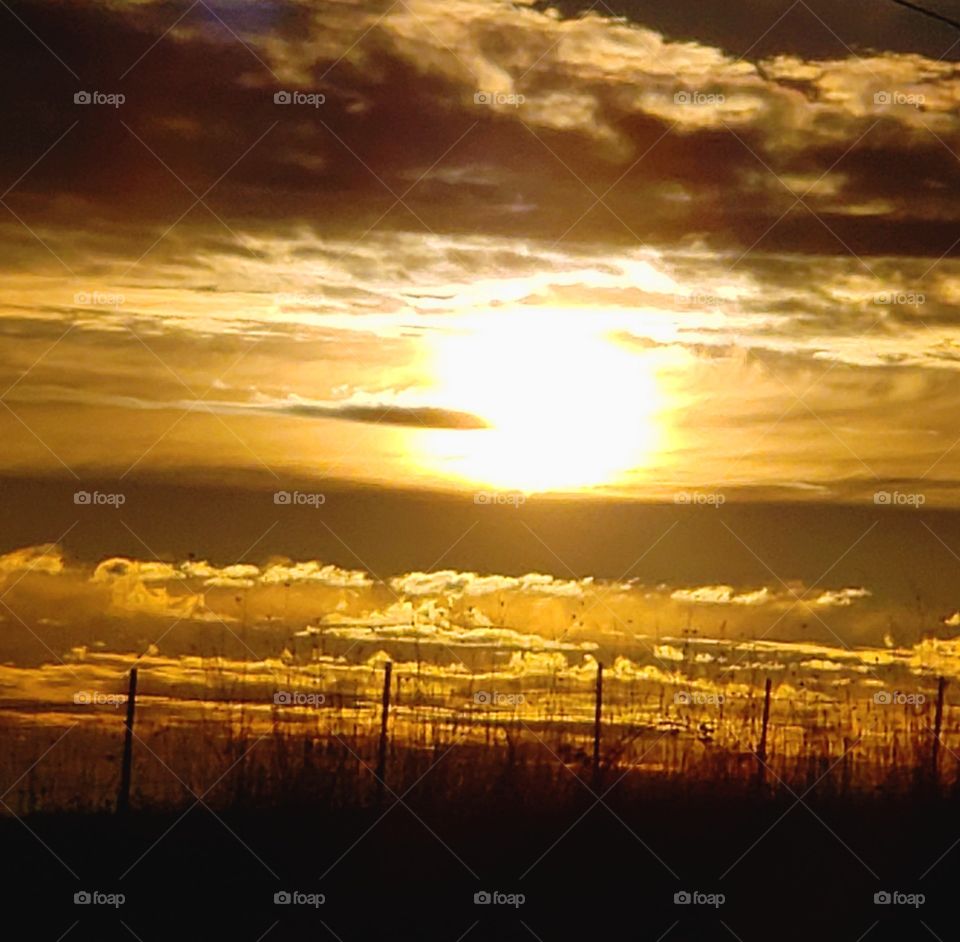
<point x="400" y="86"/>
<point x="314" y="572"/>
<point x="139" y="587"/>
<point x="796" y="597"/>
<point x="448" y="581"/>
<point x="841" y="597"/>
<point x="388" y="414"/>
<point x="124" y="604"/>
<point x="721" y="595"/>
<point x="46" y="558"/>
<point x="308" y="292"/>
<point x="238" y="576"/>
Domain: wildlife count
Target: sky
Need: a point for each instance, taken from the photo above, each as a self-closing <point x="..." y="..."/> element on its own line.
<point x="651" y="294"/>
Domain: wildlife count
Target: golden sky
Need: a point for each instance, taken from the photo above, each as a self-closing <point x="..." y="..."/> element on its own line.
<point x="402" y="254"/>
<point x="500" y="245"/>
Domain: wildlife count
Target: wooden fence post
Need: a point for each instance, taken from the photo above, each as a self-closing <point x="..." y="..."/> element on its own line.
<point x="384" y="717"/>
<point x="123" y="797"/>
<point x="597" y="714"/>
<point x="937" y="727"/>
<point x="762" y="748"/>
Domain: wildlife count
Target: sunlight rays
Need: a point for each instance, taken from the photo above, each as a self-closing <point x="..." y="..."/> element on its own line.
<point x="568" y="406"/>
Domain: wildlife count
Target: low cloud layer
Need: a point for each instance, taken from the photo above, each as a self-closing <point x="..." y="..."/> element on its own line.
<point x="52" y="606"/>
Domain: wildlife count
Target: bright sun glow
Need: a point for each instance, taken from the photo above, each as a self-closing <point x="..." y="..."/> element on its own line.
<point x="569" y="407"/>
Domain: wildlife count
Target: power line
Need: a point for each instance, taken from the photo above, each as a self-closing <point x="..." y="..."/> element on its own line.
<point x="931" y="13"/>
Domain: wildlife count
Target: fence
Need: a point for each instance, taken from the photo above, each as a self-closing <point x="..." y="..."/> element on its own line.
<point x="593" y="731"/>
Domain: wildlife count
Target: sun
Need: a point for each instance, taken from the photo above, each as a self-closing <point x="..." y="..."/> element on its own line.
<point x="568" y="406"/>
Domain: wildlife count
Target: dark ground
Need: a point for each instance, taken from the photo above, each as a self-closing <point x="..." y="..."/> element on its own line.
<point x="812" y="876"/>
